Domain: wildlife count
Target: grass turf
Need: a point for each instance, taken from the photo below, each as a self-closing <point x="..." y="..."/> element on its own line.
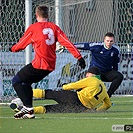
<point x="119" y="114"/>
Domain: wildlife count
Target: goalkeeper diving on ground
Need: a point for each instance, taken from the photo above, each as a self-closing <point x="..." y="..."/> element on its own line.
<point x="87" y="94"/>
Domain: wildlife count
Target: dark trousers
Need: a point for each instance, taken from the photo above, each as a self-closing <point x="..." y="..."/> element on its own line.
<point x="67" y="102"/>
<point x="112" y="76"/>
<point x="23" y="80"/>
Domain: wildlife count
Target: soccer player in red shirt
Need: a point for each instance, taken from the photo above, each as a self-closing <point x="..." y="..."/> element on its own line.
<point x="43" y="36"/>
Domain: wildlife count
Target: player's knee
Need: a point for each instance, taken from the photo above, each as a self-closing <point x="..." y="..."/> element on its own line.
<point x="16" y="79"/>
<point x="120" y="76"/>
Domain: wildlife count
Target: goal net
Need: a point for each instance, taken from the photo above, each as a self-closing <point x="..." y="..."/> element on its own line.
<point x="82" y="21"/>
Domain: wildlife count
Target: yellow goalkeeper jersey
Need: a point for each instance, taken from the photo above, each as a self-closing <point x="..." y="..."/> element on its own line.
<point x="92" y="92"/>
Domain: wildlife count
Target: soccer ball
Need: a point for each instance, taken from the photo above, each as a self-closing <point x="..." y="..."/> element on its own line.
<point x="16" y="104"/>
<point x="17" y="101"/>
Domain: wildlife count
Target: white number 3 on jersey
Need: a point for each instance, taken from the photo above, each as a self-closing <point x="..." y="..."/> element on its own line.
<point x="50" y="33"/>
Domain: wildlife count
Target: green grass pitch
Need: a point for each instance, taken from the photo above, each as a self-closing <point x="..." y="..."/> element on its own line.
<point x="119" y="114"/>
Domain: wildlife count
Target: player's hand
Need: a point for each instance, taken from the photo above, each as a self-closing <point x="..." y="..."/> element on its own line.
<point x="10" y="48"/>
<point x="81" y="62"/>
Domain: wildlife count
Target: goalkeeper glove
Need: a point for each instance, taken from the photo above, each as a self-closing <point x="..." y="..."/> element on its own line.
<point x="81" y="62"/>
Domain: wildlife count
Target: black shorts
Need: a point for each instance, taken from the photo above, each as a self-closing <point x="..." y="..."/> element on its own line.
<point x="67" y="102"/>
<point x="29" y="74"/>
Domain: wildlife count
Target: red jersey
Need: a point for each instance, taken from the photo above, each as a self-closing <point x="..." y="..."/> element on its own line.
<point x="43" y="36"/>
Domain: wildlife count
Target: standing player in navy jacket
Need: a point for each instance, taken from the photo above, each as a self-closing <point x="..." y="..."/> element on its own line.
<point x="105" y="56"/>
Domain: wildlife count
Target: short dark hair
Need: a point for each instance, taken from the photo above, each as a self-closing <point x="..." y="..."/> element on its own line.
<point x="109" y="34"/>
<point x="42" y="11"/>
<point x="94" y="70"/>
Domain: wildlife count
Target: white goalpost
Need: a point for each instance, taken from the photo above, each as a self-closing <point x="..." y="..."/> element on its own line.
<point x="82" y="21"/>
<point x="28" y="21"/>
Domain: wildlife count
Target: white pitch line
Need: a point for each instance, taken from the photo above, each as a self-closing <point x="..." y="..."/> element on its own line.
<point x="100" y="118"/>
<point x="77" y="118"/>
<point x="123" y="101"/>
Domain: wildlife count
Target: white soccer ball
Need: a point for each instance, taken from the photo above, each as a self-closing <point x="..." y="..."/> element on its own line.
<point x="17" y="101"/>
